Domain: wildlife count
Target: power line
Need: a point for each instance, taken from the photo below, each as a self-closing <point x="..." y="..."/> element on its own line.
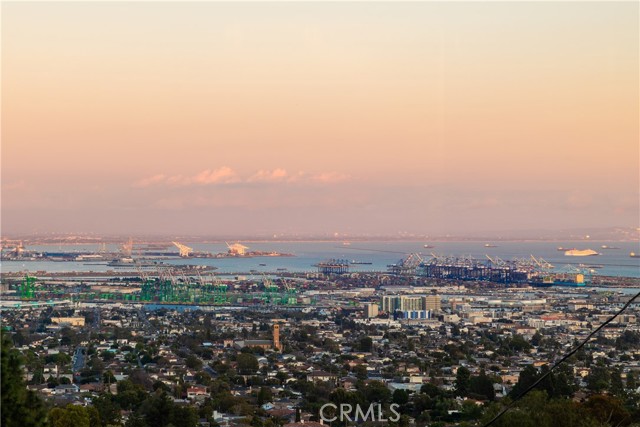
<point x="565" y="357"/>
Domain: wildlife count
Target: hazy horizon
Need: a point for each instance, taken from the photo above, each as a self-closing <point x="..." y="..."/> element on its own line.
<point x="319" y="118"/>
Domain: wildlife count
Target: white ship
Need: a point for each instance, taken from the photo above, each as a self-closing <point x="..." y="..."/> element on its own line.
<point x="581" y="252"/>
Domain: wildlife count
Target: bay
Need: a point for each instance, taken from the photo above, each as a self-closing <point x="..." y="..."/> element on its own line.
<point x="613" y="262"/>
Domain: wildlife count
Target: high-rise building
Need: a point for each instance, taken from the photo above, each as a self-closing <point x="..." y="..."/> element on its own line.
<point x="370" y="310"/>
<point x="411" y="303"/>
<point x="433" y="302"/>
<point x="390" y="303"/>
<point x="393" y="303"/>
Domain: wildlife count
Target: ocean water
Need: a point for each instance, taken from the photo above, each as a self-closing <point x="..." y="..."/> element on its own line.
<point x="614" y="262"/>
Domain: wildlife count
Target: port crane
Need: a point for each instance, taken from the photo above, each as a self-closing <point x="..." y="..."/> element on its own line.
<point x="28" y="288"/>
<point x="127" y="248"/>
<point x="407" y="265"/>
<point x="270" y="289"/>
<point x="542" y="264"/>
<point x="237" y="249"/>
<point x="290" y="296"/>
<point x="185" y="251"/>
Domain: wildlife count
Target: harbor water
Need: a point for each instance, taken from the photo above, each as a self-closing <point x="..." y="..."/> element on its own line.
<point x="365" y="256"/>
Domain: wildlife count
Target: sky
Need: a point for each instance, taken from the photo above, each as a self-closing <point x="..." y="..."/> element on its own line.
<point x="319" y="117"/>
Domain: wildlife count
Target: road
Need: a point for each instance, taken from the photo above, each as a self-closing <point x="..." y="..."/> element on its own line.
<point x="79" y="359"/>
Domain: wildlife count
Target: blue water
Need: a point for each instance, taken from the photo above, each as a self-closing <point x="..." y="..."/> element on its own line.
<point x="176" y="307"/>
<point x="615" y="262"/>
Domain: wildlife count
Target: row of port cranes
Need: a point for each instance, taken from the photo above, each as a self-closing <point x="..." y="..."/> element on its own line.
<point x="171" y="287"/>
<point x="491" y="269"/>
<point x="167" y="285"/>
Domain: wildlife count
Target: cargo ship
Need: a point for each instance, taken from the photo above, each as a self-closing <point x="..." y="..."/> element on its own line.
<point x="561" y="279"/>
<point x="557" y="283"/>
<point x="130" y="262"/>
<point x="581" y="252"/>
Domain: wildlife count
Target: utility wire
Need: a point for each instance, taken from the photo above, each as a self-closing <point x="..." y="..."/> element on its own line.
<point x="565" y="357"/>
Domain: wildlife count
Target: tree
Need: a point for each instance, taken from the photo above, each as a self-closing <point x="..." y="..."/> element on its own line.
<point x="471" y="411"/>
<point x="247" y="363"/>
<point x="376" y="392"/>
<point x="71" y="416"/>
<point x="135" y="421"/>
<point x="20" y="407"/>
<point x="282" y="377"/>
<point x="107" y="355"/>
<point x="607" y="409"/>
<point x="536" y="339"/>
<point x="193" y="362"/>
<point x="139" y="376"/>
<point x="598" y="378"/>
<point x="366" y="344"/>
<point x="68" y="336"/>
<point x="431" y="390"/>
<point x="401" y="397"/>
<point x="19" y="339"/>
<point x="62" y="359"/>
<point x="482" y="386"/>
<point x="361" y="372"/>
<point x="37" y="378"/>
<point x="528" y="376"/>
<point x="616" y="386"/>
<point x="158" y="410"/>
<point x="264" y="395"/>
<point x="631" y="381"/>
<point x="108" y="378"/>
<point x="95" y="364"/>
<point x="184" y="416"/>
<point x="462" y="381"/>
<point x="94" y="416"/>
<point x="52" y="382"/>
<point x="536" y="410"/>
<point x="628" y="340"/>
<point x="563" y="383"/>
<point x="108" y="408"/>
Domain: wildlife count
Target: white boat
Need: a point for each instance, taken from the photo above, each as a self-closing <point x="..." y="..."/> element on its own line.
<point x="581" y="252"/>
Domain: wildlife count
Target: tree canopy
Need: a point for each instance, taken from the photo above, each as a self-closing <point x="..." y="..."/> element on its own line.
<point x="20" y="407"/>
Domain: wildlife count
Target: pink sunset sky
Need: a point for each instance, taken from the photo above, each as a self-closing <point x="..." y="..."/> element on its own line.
<point x="366" y="117"/>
